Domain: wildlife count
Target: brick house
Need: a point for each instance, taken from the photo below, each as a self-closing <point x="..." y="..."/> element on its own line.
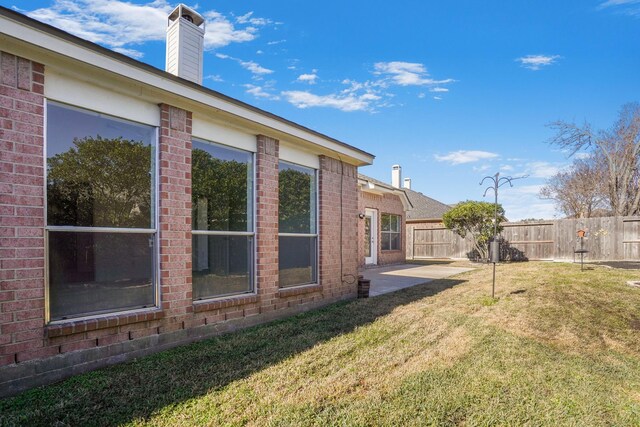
<point x="140" y="210"/>
<point x="382" y="225"/>
<point x="389" y="215"/>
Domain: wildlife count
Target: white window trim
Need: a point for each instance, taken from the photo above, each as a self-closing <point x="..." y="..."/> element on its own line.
<point x="390" y="233"/>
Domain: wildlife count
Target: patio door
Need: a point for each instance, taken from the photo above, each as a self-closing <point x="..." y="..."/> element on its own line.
<point x="370" y="236"/>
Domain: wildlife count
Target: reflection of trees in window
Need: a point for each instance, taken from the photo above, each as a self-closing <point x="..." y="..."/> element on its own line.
<point x="100" y="182"/>
<point x="297" y="249"/>
<point x="295" y="201"/>
<point x="222" y="196"/>
<point x="219" y="192"/>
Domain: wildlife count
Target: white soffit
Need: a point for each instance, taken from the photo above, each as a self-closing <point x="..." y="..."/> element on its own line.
<point x="46" y="47"/>
<point x="291" y="153"/>
<point x="81" y="94"/>
<point x="208" y="130"/>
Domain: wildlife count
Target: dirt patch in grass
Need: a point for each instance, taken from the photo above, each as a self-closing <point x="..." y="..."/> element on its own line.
<point x="626" y="265"/>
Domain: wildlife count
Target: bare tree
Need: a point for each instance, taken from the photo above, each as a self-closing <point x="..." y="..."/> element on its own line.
<point x="579" y="192"/>
<point x="619" y="149"/>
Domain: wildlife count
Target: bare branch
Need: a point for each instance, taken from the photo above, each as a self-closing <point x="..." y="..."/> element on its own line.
<point x="571" y="136"/>
<point x="610" y="177"/>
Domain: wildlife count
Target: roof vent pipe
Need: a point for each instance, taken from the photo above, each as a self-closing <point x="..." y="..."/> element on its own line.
<point x="185" y="43"/>
<point x="396" y="176"/>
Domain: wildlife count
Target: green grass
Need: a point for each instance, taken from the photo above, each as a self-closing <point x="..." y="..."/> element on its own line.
<point x="556" y="347"/>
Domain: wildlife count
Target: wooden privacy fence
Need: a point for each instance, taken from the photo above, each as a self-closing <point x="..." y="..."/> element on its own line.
<point x="607" y="239"/>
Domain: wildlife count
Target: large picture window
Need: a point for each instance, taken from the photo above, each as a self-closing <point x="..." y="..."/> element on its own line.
<point x="100" y="213"/>
<point x="391" y="227"/>
<point x="298" y="238"/>
<point x="222" y="195"/>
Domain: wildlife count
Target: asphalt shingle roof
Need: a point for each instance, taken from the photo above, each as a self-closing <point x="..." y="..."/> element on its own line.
<point x="424" y="207"/>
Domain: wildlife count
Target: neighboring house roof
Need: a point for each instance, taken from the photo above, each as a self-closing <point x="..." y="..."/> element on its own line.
<point x="424" y="207"/>
<point x="372" y="185"/>
<point x="42" y="40"/>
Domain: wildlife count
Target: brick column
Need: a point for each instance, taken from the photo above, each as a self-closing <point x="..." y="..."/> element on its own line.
<point x="338" y="234"/>
<point x="21" y="210"/>
<point x="267" y="220"/>
<point x="175" y="215"/>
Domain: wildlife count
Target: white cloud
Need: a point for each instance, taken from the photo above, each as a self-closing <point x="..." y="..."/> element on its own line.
<point x="464" y="156"/>
<point x="129" y="52"/>
<point x="543" y="169"/>
<point x="260" y="92"/>
<point x="481" y="168"/>
<point x="438" y="89"/>
<point x="536" y="62"/>
<point x="118" y="24"/>
<point x="274" y="42"/>
<point x="437" y="98"/>
<point x="249" y="19"/>
<point x="628" y="7"/>
<point x="522" y="201"/>
<point x="357" y="96"/>
<point x="214" y="78"/>
<point x="421" y="95"/>
<point x="255" y="68"/>
<point x="221" y="32"/>
<point x="109" y="22"/>
<point x="506" y="168"/>
<point x="349" y="102"/>
<point x="407" y="74"/>
<point x="618" y="2"/>
<point x="308" y="78"/>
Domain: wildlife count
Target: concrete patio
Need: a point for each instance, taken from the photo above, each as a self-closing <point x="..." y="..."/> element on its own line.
<point x="395" y="277"/>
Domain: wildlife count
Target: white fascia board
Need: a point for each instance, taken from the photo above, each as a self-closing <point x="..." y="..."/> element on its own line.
<point x="406" y="204"/>
<point x="370" y="187"/>
<point x="186" y="94"/>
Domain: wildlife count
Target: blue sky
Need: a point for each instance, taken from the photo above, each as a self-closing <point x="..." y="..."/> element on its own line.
<point x="451" y="91"/>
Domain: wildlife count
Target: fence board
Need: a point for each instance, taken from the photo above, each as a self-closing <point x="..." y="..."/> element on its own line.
<point x="631" y="239"/>
<point x="608" y="239"/>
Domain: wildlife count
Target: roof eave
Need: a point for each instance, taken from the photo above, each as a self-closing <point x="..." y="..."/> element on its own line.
<point x="44" y="37"/>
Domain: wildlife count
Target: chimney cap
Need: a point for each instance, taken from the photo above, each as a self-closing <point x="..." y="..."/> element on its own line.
<point x="186" y="12"/>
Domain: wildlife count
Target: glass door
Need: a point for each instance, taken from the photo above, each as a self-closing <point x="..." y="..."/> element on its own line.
<point x="370" y="237"/>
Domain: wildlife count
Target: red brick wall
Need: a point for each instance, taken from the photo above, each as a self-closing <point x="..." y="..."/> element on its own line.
<point x="387" y="203"/>
<point x="337" y="183"/>
<point x="24" y="336"/>
<point x="21" y="210"/>
<point x="267" y="218"/>
<point x="175" y="213"/>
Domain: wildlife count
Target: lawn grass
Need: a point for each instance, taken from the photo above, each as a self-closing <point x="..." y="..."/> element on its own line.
<point x="556" y="347"/>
